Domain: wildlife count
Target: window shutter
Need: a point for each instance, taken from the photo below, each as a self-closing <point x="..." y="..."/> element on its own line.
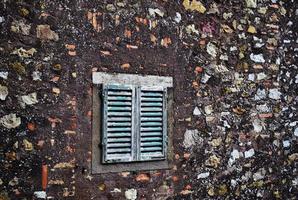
<point x="118" y="123"/>
<point x="152" y="123"/>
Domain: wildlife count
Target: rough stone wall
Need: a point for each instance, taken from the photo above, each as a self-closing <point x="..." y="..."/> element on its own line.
<point x="234" y="65"/>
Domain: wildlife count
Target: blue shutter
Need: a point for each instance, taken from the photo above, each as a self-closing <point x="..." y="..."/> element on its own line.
<point x="152" y="137"/>
<point x="118" y="123"/>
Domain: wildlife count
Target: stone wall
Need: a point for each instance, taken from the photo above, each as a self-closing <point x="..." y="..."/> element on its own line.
<point x="234" y="65"/>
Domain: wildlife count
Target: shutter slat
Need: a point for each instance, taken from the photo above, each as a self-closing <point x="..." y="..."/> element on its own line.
<point x="146" y="123"/>
<point x="148" y="149"/>
<point x="151" y="94"/>
<point x="115" y="140"/>
<point x="152" y="126"/>
<point x="150" y="144"/>
<point x="119" y="119"/>
<point x="151" y="114"/>
<point x="157" y="104"/>
<point x="112" y="135"/>
<point x="151" y="109"/>
<point x="119" y="103"/>
<point x="145" y="139"/>
<point x="151" y="119"/>
<point x="119" y="93"/>
<point x="149" y="99"/>
<point x="149" y="129"/>
<point x="119" y="108"/>
<point x="119" y="98"/>
<point x="119" y="113"/>
<point x="119" y="129"/>
<point x="117" y="124"/>
<point x="151" y="134"/>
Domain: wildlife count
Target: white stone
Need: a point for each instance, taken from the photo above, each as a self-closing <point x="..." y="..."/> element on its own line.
<point x="259" y="45"/>
<point x="178" y="17"/>
<point x="203" y="175"/>
<point x="205" y="78"/>
<point x="36" y="76"/>
<point x="224" y="57"/>
<point x="233" y="183"/>
<point x="3" y="92"/>
<point x="296" y="132"/>
<point x="251" y="3"/>
<point x="251" y="77"/>
<point x="286" y="143"/>
<point x="259" y="175"/>
<point x="192" y="29"/>
<point x="264" y="108"/>
<point x="208" y="109"/>
<point x="257" y="124"/>
<point x="40" y="194"/>
<point x="116" y="190"/>
<point x="212" y="49"/>
<point x="131" y="194"/>
<point x="261" y="76"/>
<point x="249" y="153"/>
<point x="4" y="75"/>
<point x="190" y="138"/>
<point x="155" y="11"/>
<point x="235" y="154"/>
<point x="227" y="15"/>
<point x="258" y="58"/>
<point x="197" y="111"/>
<point x="220" y="68"/>
<point x="233" y="48"/>
<point x="261" y="94"/>
<point x="274" y="94"/>
<point x="10" y="121"/>
<point x="29" y="99"/>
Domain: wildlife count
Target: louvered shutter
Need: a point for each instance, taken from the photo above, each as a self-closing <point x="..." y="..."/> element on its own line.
<point x="118" y="123"/>
<point x="152" y="135"/>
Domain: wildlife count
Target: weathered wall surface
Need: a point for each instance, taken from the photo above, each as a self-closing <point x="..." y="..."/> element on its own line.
<point x="234" y="65"/>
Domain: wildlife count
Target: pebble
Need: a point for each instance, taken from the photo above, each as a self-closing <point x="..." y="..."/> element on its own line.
<point x="131" y="194"/>
<point x="261" y="94"/>
<point x="203" y="175"/>
<point x="3" y="92"/>
<point x="250" y="153"/>
<point x="274" y="94"/>
<point x="197" y="112"/>
<point x="258" y="58"/>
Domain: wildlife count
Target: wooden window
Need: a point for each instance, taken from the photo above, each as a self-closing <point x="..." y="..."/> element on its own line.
<point x="134" y="123"/>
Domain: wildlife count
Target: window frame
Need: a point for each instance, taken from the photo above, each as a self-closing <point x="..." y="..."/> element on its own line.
<point x="100" y="78"/>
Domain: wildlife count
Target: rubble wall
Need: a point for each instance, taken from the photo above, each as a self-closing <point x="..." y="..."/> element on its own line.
<point x="234" y="65"/>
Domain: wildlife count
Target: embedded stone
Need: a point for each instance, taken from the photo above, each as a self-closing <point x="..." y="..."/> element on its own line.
<point x="258" y="58"/>
<point x="3" y="92"/>
<point x="44" y="32"/>
<point x="212" y="49"/>
<point x="131" y="194"/>
<point x="249" y="153"/>
<point x="251" y="3"/>
<point x="29" y="99"/>
<point x="10" y="121"/>
<point x="274" y="94"/>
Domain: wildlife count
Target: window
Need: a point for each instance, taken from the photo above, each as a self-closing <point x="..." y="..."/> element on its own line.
<point x="132" y="122"/>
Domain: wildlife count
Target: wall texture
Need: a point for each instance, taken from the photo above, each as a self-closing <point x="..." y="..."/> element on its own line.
<point x="234" y="65"/>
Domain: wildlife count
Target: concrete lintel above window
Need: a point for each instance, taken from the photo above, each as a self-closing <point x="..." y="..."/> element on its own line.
<point x="131" y="79"/>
